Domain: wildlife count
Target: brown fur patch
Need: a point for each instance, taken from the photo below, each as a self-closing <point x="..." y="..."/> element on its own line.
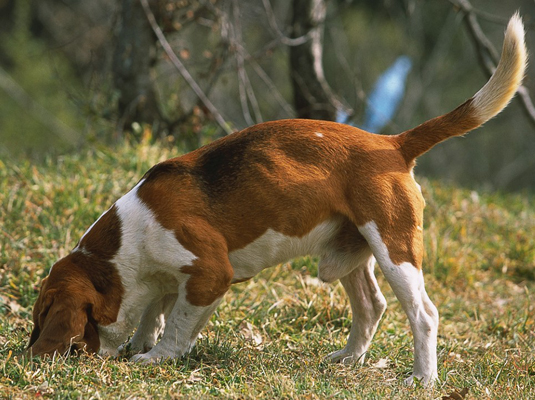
<point x="104" y="238"/>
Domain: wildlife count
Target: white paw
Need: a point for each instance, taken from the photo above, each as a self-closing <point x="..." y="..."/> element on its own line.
<point x="135" y="347"/>
<point x="146" y="359"/>
<point x="409" y="381"/>
<point x="345" y="357"/>
<point x="124" y="348"/>
<point x="426" y="382"/>
<point x="112" y="353"/>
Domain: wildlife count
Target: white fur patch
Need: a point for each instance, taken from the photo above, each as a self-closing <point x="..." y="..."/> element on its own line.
<point x="318" y="134"/>
<point x="145" y="241"/>
<point x="507" y="77"/>
<point x="367" y="306"/>
<point x="273" y="248"/>
<point x="181" y="330"/>
<point x="416" y="183"/>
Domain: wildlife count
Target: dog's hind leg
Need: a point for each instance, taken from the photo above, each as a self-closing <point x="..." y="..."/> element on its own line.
<point x="367" y="306"/>
<point x="400" y="260"/>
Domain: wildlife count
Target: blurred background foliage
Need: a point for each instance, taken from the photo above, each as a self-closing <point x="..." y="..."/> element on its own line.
<point x="66" y="67"/>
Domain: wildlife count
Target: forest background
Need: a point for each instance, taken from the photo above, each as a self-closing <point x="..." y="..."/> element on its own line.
<point x="75" y="73"/>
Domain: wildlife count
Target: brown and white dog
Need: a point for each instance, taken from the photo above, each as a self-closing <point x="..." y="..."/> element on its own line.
<point x="162" y="257"/>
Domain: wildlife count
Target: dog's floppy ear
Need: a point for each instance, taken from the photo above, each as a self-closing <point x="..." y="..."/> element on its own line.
<point x="71" y="305"/>
<point x="59" y="323"/>
<point x="62" y="322"/>
<point x="41" y="307"/>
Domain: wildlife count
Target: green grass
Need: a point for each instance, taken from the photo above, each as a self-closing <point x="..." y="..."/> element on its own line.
<point x="269" y="337"/>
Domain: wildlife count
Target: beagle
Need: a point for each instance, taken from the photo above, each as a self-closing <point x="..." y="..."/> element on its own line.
<point x="162" y="257"/>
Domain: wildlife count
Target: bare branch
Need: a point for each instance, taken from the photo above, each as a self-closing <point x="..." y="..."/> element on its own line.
<point x="182" y="69"/>
<point x="244" y="84"/>
<point x="281" y="37"/>
<point x="251" y="60"/>
<point x="313" y="97"/>
<point x="273" y="90"/>
<point x="487" y="54"/>
<point x="527" y="102"/>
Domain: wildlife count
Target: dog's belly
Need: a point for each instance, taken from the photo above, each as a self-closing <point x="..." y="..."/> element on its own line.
<point x="273" y="248"/>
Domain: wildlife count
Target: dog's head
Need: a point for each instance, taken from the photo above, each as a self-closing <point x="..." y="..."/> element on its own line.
<point x="67" y="312"/>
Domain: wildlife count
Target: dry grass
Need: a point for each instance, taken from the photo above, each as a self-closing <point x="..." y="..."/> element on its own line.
<point x="268" y="339"/>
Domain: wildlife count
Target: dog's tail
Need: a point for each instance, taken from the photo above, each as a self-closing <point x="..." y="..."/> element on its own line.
<point x="485" y="104"/>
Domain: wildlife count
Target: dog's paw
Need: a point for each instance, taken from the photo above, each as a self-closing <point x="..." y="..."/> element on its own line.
<point x="146" y="359"/>
<point x="124" y="349"/>
<point x="345" y="357"/>
<point x="427" y="382"/>
<point x="410" y="381"/>
<point x="133" y="347"/>
<point x="111" y="353"/>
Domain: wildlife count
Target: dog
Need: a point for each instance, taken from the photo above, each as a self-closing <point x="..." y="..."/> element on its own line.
<point x="162" y="257"/>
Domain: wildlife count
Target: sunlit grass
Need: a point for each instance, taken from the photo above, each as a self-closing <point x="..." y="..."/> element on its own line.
<point x="269" y="337"/>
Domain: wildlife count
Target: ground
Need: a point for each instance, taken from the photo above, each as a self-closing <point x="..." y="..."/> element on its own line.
<point x="269" y="337"/>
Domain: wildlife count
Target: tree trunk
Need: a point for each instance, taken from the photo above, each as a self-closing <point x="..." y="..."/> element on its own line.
<point x="313" y="98"/>
<point x="133" y="57"/>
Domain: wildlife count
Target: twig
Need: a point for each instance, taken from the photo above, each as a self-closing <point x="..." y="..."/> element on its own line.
<point x="527" y="102"/>
<point x="182" y="69"/>
<point x="252" y="60"/>
<point x="487" y="54"/>
<point x="241" y="70"/>
<point x="281" y="37"/>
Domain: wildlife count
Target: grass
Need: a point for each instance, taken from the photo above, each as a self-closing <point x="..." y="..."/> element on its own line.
<point x="268" y="339"/>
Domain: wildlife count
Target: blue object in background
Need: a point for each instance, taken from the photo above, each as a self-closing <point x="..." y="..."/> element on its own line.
<point x="385" y="97"/>
<point x="342" y="116"/>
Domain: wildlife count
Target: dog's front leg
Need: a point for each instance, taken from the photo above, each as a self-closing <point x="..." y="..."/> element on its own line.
<point x="182" y="327"/>
<point x="201" y="288"/>
<point x="151" y="326"/>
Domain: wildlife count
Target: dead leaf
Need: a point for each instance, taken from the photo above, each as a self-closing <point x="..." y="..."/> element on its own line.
<point x="382" y="363"/>
<point x="455" y="395"/>
<point x="194" y="377"/>
<point x="312" y="281"/>
<point x="250" y="333"/>
<point x="42" y="390"/>
<point x="185" y="54"/>
<point x="15" y="307"/>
